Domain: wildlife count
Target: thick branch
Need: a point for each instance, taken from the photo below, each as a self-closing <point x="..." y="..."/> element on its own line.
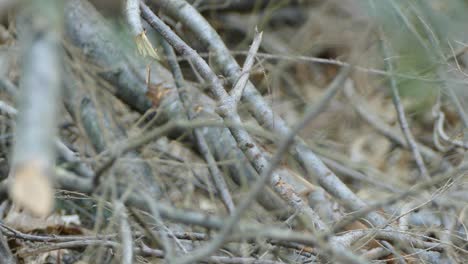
<point x="34" y="152"/>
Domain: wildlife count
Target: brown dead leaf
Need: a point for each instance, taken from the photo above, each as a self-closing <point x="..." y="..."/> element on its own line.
<point x="155" y="93"/>
<point x="31" y="188"/>
<point x="26" y="223"/>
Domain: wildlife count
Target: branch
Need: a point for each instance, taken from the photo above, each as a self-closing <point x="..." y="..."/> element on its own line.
<point x="244" y="140"/>
<point x="6" y="257"/>
<point x="238" y="89"/>
<point x="252" y="151"/>
<point x="65" y="154"/>
<point x="104" y="132"/>
<point x="203" y="147"/>
<point x="132" y="14"/>
<point x="125" y="233"/>
<point x="87" y="30"/>
<point x="401" y="114"/>
<point x="188" y="16"/>
<point x="33" y="152"/>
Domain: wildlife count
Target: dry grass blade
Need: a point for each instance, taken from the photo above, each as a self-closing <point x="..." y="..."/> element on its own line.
<point x="144" y="46"/>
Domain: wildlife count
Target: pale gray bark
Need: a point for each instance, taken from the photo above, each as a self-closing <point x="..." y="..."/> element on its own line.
<point x="39" y="26"/>
<point x="97" y="42"/>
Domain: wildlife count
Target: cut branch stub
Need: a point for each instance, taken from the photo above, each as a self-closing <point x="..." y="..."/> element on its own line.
<point x="31" y="188"/>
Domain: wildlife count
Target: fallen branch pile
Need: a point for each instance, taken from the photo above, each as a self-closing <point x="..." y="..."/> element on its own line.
<point x="181" y="154"/>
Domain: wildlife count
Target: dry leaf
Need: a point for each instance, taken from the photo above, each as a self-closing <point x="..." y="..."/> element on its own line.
<point x="144" y="46"/>
<point x="27" y="223"/>
<point x="31" y="188"/>
<point x="55" y="256"/>
<point x="155" y="93"/>
<point x="198" y="109"/>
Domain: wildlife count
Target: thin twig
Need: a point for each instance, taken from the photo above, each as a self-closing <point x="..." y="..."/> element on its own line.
<point x="435" y="53"/>
<point x="6" y="257"/>
<point x="193" y="236"/>
<point x="125" y="233"/>
<point x="439" y="130"/>
<point x="401" y="114"/>
<point x="354" y="174"/>
<point x="338" y="83"/>
<point x="215" y="172"/>
<point x="147" y="251"/>
<point x="167" y="246"/>
<point x="108" y="157"/>
<point x="415" y="190"/>
<point x="238" y="89"/>
<point x="142" y="249"/>
<point x="364" y="112"/>
<point x="132" y="14"/>
<point x="242" y="137"/>
<point x="339" y="63"/>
